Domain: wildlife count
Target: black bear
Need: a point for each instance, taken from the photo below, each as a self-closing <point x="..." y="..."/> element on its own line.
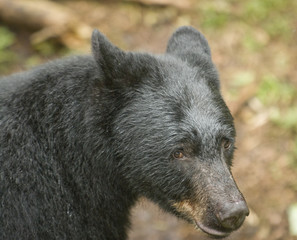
<point x="82" y="139"/>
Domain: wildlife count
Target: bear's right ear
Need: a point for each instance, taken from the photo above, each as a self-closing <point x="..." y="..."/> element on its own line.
<point x="109" y="57"/>
<point x="120" y="68"/>
<point x="188" y="44"/>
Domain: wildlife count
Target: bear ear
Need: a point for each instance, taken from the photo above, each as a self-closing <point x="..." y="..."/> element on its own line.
<point x="110" y="58"/>
<point x="188" y="44"/>
<point x="120" y="68"/>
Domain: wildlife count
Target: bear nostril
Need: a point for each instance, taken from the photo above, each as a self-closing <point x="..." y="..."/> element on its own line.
<point x="232" y="215"/>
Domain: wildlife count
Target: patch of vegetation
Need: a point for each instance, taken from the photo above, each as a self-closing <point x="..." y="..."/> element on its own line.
<point x="7" y="56"/>
<point x="251" y="43"/>
<point x="243" y="78"/>
<point x="274" y="16"/>
<point x="214" y="19"/>
<point x="215" y="14"/>
<point x="51" y="48"/>
<point x="279" y="27"/>
<point x="281" y="98"/>
<point x="274" y="91"/>
<point x="256" y="10"/>
<point x="286" y="119"/>
<point x="45" y="49"/>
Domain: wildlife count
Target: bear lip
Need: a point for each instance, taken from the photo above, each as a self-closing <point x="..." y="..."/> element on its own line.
<point x="187" y="208"/>
<point x="210" y="231"/>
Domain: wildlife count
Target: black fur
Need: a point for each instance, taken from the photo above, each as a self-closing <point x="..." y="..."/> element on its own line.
<point x="83" y="138"/>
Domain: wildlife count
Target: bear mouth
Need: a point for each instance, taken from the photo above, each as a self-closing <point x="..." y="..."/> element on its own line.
<point x="215" y="233"/>
<point x="187" y="211"/>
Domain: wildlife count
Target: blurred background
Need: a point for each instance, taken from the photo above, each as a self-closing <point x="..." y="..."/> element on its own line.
<point x="254" y="46"/>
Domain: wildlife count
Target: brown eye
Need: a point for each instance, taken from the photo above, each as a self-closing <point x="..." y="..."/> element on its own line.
<point x="227" y="144"/>
<point x="178" y="155"/>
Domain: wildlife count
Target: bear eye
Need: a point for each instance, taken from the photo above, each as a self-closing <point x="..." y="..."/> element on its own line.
<point x="226" y="144"/>
<point x="178" y="154"/>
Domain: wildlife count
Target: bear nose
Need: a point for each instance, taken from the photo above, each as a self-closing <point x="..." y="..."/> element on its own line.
<point x="233" y="214"/>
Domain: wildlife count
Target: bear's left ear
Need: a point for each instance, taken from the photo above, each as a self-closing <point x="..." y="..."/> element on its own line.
<point x="188" y="44"/>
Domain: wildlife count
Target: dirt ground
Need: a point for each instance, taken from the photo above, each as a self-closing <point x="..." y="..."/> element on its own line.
<point x="246" y="53"/>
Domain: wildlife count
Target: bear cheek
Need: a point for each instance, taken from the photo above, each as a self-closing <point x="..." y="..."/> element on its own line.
<point x="190" y="210"/>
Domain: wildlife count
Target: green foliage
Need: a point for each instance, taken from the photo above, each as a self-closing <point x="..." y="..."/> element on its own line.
<point x="273" y="91"/>
<point x="47" y="48"/>
<point x="7" y="38"/>
<point x="274" y="16"/>
<point x="250" y="43"/>
<point x="286" y="119"/>
<point x="33" y="61"/>
<point x="215" y="14"/>
<point x="7" y="57"/>
<point x="281" y="98"/>
<point x="214" y="19"/>
<point x="242" y="78"/>
<point x="279" y="26"/>
<point x="257" y="10"/>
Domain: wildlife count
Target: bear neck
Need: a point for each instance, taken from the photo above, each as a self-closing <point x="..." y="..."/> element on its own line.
<point x="101" y="191"/>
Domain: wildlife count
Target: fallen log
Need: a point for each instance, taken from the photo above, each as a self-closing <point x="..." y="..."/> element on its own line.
<point x="47" y="20"/>
<point x="185" y="4"/>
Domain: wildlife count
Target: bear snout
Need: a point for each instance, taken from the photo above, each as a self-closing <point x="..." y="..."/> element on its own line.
<point x="232" y="215"/>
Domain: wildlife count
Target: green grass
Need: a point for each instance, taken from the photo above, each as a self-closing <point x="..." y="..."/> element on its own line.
<point x="275" y="91"/>
<point x="7" y="56"/>
<point x="214" y="19"/>
<point x="286" y="119"/>
<point x="281" y="98"/>
<point x="276" y="17"/>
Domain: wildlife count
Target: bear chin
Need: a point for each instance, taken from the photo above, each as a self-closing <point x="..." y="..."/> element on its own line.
<point x="214" y="233"/>
<point x="194" y="215"/>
